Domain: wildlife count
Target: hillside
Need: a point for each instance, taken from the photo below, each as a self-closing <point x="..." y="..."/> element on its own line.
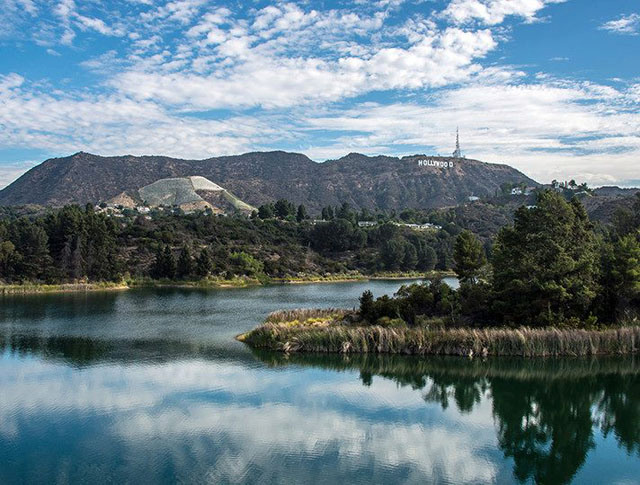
<point x="188" y="193"/>
<point x="365" y="182"/>
<point x="607" y="201"/>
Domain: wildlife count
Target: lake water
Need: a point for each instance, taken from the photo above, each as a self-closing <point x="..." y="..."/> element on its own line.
<point x="149" y="386"/>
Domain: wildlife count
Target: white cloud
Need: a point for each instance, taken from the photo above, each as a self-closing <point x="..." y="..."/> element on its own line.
<point x="181" y="11"/>
<point x="261" y="79"/>
<point x="115" y="124"/>
<point x="302" y="71"/>
<point x="88" y="23"/>
<point x="626" y="24"/>
<point x="549" y="130"/>
<point x="493" y="12"/>
<point x="11" y="171"/>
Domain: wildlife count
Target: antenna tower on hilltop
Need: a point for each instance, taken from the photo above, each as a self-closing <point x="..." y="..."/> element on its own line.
<point x="458" y="152"/>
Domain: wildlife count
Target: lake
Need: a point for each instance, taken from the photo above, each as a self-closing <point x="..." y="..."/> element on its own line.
<point x="149" y="386"/>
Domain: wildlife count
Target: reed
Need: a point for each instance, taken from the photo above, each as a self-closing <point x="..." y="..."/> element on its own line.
<point x="305" y="314"/>
<point x="29" y="288"/>
<point x="277" y="334"/>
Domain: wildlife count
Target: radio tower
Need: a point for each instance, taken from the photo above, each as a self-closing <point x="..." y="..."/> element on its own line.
<point x="458" y="152"/>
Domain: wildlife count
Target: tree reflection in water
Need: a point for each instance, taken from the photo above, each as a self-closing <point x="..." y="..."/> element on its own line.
<point x="545" y="411"/>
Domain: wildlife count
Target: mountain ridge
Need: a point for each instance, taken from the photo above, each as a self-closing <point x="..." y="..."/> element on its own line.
<point x="381" y="181"/>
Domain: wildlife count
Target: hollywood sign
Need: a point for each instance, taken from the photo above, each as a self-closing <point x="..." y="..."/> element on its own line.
<point x="428" y="162"/>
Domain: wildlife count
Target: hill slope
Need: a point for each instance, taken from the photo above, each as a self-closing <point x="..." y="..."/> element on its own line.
<point x="372" y="182"/>
<point x="188" y="193"/>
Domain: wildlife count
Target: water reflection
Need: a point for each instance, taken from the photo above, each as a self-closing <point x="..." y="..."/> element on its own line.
<point x="545" y="411"/>
<point x="151" y="387"/>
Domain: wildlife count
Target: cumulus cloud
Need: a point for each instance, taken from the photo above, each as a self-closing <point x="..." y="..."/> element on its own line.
<point x="626" y="24"/>
<point x="114" y="124"/>
<point x="549" y="130"/>
<point x="191" y="79"/>
<point x="268" y="81"/>
<point x="493" y="12"/>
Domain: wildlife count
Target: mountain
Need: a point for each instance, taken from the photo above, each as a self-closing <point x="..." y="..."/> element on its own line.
<point x="188" y="193"/>
<point x="365" y="182"/>
<point x="607" y="201"/>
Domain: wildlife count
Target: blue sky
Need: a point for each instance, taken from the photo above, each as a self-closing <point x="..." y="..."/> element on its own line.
<point x="551" y="87"/>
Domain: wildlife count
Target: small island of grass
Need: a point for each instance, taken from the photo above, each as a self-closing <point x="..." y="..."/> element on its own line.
<point x="553" y="286"/>
<point x="341" y="331"/>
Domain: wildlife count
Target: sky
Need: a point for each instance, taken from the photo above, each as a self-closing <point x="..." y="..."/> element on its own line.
<point x="551" y="87"/>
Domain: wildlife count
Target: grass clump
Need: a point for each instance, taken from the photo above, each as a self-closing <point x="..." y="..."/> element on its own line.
<point x="340" y="336"/>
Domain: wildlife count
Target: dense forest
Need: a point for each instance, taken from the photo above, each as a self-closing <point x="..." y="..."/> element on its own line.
<point x="550" y="267"/>
<point x="75" y="244"/>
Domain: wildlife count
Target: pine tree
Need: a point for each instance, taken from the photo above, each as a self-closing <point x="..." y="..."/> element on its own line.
<point x="203" y="264"/>
<point x="164" y="265"/>
<point x="185" y="263"/>
<point x="468" y="256"/>
<point x="265" y="211"/>
<point x="157" y="268"/>
<point x="76" y="260"/>
<point x="302" y="213"/>
<point x="624" y="277"/>
<point x="65" y="258"/>
<point x="169" y="263"/>
<point x="410" y="257"/>
<point x="283" y="209"/>
<point x="545" y="266"/>
<point x="367" y="306"/>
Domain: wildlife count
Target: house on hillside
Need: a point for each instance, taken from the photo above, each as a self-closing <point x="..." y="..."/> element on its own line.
<point x="427" y="226"/>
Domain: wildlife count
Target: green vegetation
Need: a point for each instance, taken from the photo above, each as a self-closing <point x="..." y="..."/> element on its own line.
<point x="553" y="286"/>
<point x="396" y="338"/>
<point x="278" y="243"/>
<point x="550" y="268"/>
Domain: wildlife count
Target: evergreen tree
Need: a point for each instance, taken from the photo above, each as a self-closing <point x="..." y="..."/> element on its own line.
<point x="65" y="259"/>
<point x="283" y="209"/>
<point x="184" y="267"/>
<point x="428" y="259"/>
<point x="620" y="296"/>
<point x="301" y="215"/>
<point x="76" y="262"/>
<point x="393" y="253"/>
<point x="7" y="258"/>
<point x="327" y="213"/>
<point x="203" y="264"/>
<point x="31" y="242"/>
<point x="468" y="256"/>
<point x="410" y="259"/>
<point x="345" y="212"/>
<point x="165" y="264"/>
<point x="366" y="305"/>
<point x="265" y="211"/>
<point x="545" y="264"/>
<point x="169" y="263"/>
<point x="157" y="268"/>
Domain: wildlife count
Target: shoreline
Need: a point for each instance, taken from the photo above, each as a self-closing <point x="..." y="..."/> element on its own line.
<point x="326" y="331"/>
<point x="34" y="289"/>
<point x="37" y="288"/>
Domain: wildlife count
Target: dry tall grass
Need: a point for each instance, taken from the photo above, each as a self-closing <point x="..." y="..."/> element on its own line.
<point x="526" y="342"/>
